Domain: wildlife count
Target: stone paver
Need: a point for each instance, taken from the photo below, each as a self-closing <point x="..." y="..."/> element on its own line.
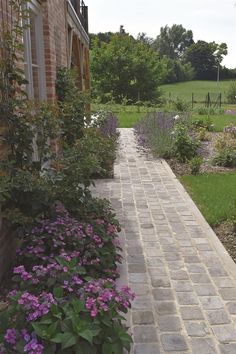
<point x="182" y="276"/>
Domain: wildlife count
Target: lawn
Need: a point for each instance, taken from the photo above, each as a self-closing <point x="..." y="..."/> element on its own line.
<point x="215" y="195"/>
<point x="200" y="89"/>
<point x="220" y="121"/>
<point x="128" y="115"/>
<point x="128" y="120"/>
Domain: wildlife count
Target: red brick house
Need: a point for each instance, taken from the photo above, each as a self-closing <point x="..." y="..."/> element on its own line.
<point x="57" y="37"/>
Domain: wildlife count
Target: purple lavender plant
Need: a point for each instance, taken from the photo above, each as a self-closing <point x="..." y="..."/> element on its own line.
<point x="109" y="125"/>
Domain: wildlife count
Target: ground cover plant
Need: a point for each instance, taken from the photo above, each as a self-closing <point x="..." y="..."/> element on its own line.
<point x="63" y="298"/>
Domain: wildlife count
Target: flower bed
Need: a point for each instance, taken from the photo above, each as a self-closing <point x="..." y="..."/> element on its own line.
<point x="63" y="297"/>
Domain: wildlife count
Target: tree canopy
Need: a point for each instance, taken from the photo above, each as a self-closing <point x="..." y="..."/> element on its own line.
<point x="173" y="41"/>
<point x="205" y="57"/>
<point x="124" y="67"/>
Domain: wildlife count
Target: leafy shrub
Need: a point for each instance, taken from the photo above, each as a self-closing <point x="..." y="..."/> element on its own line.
<point x="206" y="123"/>
<point x="71" y="104"/>
<point x="225" y="153"/>
<point x="65" y="298"/>
<point x="181" y="105"/>
<point x="95" y="244"/>
<point x="231" y="92"/>
<point x="195" y="165"/>
<point x="201" y="133"/>
<point x="184" y="147"/>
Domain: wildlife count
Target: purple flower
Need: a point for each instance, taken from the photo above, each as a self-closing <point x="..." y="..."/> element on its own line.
<point x="33" y="347"/>
<point x="10" y="336"/>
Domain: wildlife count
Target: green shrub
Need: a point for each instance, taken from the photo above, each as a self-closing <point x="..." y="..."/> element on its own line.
<point x="181" y="105"/>
<point x="206" y="123"/>
<point x="195" y="165"/>
<point x="225" y="152"/>
<point x="231" y="93"/>
<point x="184" y="147"/>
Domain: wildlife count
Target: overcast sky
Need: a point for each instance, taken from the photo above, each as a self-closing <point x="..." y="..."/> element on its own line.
<point x="210" y="20"/>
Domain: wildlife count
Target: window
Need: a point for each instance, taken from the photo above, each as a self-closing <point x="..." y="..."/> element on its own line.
<point x="34" y="54"/>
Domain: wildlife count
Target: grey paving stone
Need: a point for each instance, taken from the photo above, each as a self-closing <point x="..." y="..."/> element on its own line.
<point x="231" y="308"/>
<point x="136" y="268"/>
<point x="200" y="278"/>
<point x="160" y="282"/>
<point x="142" y="303"/>
<point x="145" y="334"/>
<point x="138" y="278"/>
<point x="197" y="329"/>
<point x="179" y="275"/>
<point x="142" y="317"/>
<point x="157" y="271"/>
<point x="192" y="259"/>
<point x="154" y="262"/>
<point x="140" y="289"/>
<point x="196" y="268"/>
<point x="153" y="252"/>
<point x="187" y="298"/>
<point x="147" y="348"/>
<point x="174" y="342"/>
<point x="205" y="289"/>
<point x="218" y="317"/>
<point x="191" y="313"/>
<point x="211" y="302"/>
<point x="182" y="285"/>
<point x="225" y="333"/>
<point x="228" y="293"/>
<point x="169" y="323"/>
<point x="134" y="250"/>
<point x="172" y="256"/>
<point x="136" y="259"/>
<point x="224" y="282"/>
<point x="227" y="348"/>
<point x="163" y="294"/>
<point x="217" y="271"/>
<point x="165" y="308"/>
<point x="203" y="346"/>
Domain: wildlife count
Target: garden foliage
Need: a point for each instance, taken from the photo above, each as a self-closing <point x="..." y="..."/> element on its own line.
<point x="61" y="295"/>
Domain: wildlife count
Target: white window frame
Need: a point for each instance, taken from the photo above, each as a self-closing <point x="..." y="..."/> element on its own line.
<point x="35" y="7"/>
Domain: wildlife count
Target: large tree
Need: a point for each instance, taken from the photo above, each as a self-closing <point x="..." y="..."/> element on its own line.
<point x="173" y="41"/>
<point x="124" y="67"/>
<point x="205" y="58"/>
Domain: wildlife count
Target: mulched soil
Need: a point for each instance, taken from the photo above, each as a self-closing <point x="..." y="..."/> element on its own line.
<point x="227" y="235"/>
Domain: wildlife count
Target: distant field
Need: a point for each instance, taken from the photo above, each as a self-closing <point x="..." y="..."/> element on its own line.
<point x="200" y="89"/>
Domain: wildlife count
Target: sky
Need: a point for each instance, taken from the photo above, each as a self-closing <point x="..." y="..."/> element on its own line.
<point x="210" y="20"/>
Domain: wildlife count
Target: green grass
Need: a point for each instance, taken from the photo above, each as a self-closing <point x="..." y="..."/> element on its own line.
<point x="220" y="121"/>
<point x="200" y="89"/>
<point x="128" y="120"/>
<point x="215" y="195"/>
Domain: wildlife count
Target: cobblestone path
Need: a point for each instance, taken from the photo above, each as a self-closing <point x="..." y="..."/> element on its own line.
<point x="182" y="275"/>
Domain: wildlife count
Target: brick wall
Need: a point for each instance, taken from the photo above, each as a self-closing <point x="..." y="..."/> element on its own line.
<point x="55" y="41"/>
